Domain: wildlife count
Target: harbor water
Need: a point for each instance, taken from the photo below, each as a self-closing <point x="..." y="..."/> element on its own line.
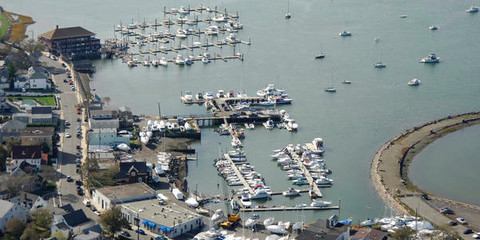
<point x="354" y="122"/>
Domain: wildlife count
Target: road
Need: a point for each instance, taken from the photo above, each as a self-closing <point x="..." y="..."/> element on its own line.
<point x="67" y="191"/>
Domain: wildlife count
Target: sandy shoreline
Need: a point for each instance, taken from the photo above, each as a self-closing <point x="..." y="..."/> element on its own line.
<point x="389" y="166"/>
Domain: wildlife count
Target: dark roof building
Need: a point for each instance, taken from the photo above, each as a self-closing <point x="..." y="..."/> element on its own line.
<point x="72" y="42"/>
<point x="75" y="218"/>
<point x="26" y="152"/>
<point x="41" y="110"/>
<point x="325" y="230"/>
<point x="368" y="234"/>
<point x="133" y="172"/>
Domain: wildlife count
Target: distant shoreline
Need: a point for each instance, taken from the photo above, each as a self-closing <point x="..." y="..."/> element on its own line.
<point x="389" y="168"/>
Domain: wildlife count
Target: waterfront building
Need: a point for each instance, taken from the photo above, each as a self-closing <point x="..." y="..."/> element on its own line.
<point x="106" y="137"/>
<point x="133" y="172"/>
<point x="28" y="154"/>
<point x="10" y="210"/>
<point x="171" y="220"/>
<point x="72" y="42"/>
<point x="36" y="78"/>
<point x="328" y="229"/>
<point x="105" y="198"/>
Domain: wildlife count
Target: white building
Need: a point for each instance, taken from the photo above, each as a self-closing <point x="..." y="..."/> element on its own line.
<point x="104" y="198"/>
<point x="29" y="154"/>
<point x="36" y="78"/>
<point x="10" y="210"/>
<point x="29" y="201"/>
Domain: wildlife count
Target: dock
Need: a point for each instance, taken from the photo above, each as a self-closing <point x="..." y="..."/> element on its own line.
<point x="282" y="208"/>
<point x="239" y="175"/>
<point x="309" y="178"/>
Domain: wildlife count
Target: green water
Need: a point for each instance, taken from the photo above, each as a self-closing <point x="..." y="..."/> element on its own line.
<point x="354" y="122"/>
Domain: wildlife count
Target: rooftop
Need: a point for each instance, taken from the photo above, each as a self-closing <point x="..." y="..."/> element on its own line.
<point x="166" y="215"/>
<point x="24" y="152"/>
<point x="75" y="218"/>
<point x="41" y="110"/>
<point x="368" y="234"/>
<point x="38" y="131"/>
<point x="5" y="206"/>
<point x="126" y="191"/>
<point x="125" y="168"/>
<point x="70" y="32"/>
<point x="320" y="229"/>
<point x="13" y="124"/>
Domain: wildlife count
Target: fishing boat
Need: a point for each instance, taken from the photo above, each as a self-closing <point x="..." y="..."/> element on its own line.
<point x="188" y="97"/>
<point x="414" y="82"/>
<point x="472" y="9"/>
<point x="269" y="125"/>
<point x="292" y="192"/>
<point x="379" y="65"/>
<point x="331" y="90"/>
<point x="347" y="82"/>
<point x="318" y="203"/>
<point x="344" y="33"/>
<point x="432" y="58"/>
<point x="433" y="28"/>
<point x="199" y="97"/>
<point x="320" y="56"/>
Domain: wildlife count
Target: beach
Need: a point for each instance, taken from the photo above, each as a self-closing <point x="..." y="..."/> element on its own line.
<point x="389" y="166"/>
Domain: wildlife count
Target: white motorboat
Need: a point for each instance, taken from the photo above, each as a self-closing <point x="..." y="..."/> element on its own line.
<point x="155" y="63"/>
<point x="297" y="226"/>
<point x="217" y="215"/>
<point x="259" y="194"/>
<point x="188" y="97"/>
<point x="221" y="93"/>
<point x="414" y="82"/>
<point x="292" y="192"/>
<point x="433" y="27"/>
<point x="163" y="62"/>
<point x="403" y="16"/>
<point x="276" y="229"/>
<point x="347" y="82"/>
<point x="252" y="221"/>
<point x="231" y="38"/>
<point x="318" y="203"/>
<point x="320" y="56"/>
<point x="192" y="202"/>
<point x="199" y="96"/>
<point x="205" y="60"/>
<point x="269" y="125"/>
<point x="179" y="60"/>
<point x="209" y="95"/>
<point x="212" y="30"/>
<point x="323" y="181"/>
<point x="331" y="90"/>
<point x="245" y="200"/>
<point x="182" y="34"/>
<point x="344" y="33"/>
<point x="220" y="18"/>
<point x="269" y="221"/>
<point x="146" y="63"/>
<point x="430" y="59"/>
<point x="380" y="65"/>
<point x="292" y="125"/>
<point x="236" y="143"/>
<point x="318" y="147"/>
<point x="368" y="222"/>
<point x="234" y="204"/>
<point x="472" y="9"/>
<point x="300" y="181"/>
<point x="288" y="15"/>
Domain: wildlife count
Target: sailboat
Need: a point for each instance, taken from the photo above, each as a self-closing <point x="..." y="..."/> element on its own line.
<point x="379" y="64"/>
<point x="288" y="15"/>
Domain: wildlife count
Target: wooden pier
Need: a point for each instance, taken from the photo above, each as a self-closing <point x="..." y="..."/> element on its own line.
<point x="282" y="208"/>
<point x="308" y="176"/>
<point x="239" y="175"/>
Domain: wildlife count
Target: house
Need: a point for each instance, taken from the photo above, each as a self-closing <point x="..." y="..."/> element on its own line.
<point x="91" y="233"/>
<point x="75" y="221"/>
<point x="10" y="210"/>
<point x="29" y="201"/>
<point x="368" y="234"/>
<point x="133" y="172"/>
<point x="29" y="154"/>
<point x="106" y="137"/>
<point x="170" y="220"/>
<point x="71" y="42"/>
<point x="24" y="167"/>
<point x="328" y="229"/>
<point x="38" y="136"/>
<point x="106" y="197"/>
<point x="4" y="84"/>
<point x="36" y="78"/>
<point x="11" y="129"/>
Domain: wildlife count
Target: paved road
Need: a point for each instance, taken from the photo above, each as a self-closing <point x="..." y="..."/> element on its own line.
<point x="68" y="150"/>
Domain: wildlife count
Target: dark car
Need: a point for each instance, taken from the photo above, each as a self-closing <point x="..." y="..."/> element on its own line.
<point x="140" y="231"/>
<point x="79" y="120"/>
<point x="125" y="233"/>
<point x="446" y="210"/>
<point x="467" y="231"/>
<point x="69" y="179"/>
<point x="425" y="196"/>
<point x="452" y="223"/>
<point x="80" y="192"/>
<point x="79" y="183"/>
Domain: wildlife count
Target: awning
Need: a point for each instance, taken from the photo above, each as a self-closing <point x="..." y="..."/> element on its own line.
<point x="152" y="224"/>
<point x="144" y="222"/>
<point x="164" y="229"/>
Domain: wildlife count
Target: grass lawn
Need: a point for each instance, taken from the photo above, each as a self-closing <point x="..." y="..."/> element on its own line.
<point x="4" y="25"/>
<point x="46" y="100"/>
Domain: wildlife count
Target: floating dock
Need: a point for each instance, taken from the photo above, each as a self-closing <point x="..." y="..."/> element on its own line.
<point x="309" y="178"/>
<point x="280" y="208"/>
<point x="239" y="175"/>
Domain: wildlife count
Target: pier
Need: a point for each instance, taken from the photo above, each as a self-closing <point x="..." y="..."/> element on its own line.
<point x="282" y="208"/>
<point x="239" y="175"/>
<point x="311" y="182"/>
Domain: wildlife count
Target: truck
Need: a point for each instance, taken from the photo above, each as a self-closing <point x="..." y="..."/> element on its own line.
<point x="232" y="219"/>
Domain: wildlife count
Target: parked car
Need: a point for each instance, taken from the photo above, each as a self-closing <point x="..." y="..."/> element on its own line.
<point x="140" y="231"/>
<point x="452" y="223"/>
<point x="467" y="231"/>
<point x="446" y="210"/>
<point x="80" y="192"/>
<point x="425" y="196"/>
<point x="67" y="123"/>
<point x="159" y="237"/>
<point x="476" y="235"/>
<point x="69" y="179"/>
<point x="125" y="233"/>
<point x="67" y="135"/>
<point x="78" y="182"/>
<point x="462" y="220"/>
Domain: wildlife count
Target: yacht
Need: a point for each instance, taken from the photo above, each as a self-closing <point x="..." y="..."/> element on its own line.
<point x="331" y="90"/>
<point x="188" y="97"/>
<point x="269" y="125"/>
<point x="221" y="93"/>
<point x="320" y="56"/>
<point x="433" y="27"/>
<point x="324" y="181"/>
<point x="316" y="203"/>
<point x="209" y="95"/>
<point x="259" y="194"/>
<point x="245" y="200"/>
<point x="472" y="9"/>
<point x="414" y="82"/>
<point x="430" y="59"/>
<point x="252" y="220"/>
<point x="318" y="147"/>
<point x="292" y="192"/>
<point x="380" y="65"/>
<point x="347" y="82"/>
<point x="199" y="96"/>
<point x="344" y="33"/>
<point x="163" y="62"/>
<point x="179" y="60"/>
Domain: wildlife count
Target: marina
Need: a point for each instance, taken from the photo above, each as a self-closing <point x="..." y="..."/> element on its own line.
<point x="281" y="208"/>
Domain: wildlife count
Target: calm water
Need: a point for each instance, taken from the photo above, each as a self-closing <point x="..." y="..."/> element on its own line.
<point x="453" y="157"/>
<point x="354" y="122"/>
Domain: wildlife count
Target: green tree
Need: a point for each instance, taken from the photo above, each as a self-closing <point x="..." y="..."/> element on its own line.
<point x="41" y="221"/>
<point x="12" y="73"/>
<point x="403" y="234"/>
<point x="31" y="47"/>
<point x="14" y="229"/>
<point x="3" y="158"/>
<point x="112" y="221"/>
<point x="15" y="184"/>
<point x="59" y="236"/>
<point x="30" y="233"/>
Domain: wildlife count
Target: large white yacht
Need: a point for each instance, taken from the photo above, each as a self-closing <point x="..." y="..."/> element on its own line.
<point x="430" y="59"/>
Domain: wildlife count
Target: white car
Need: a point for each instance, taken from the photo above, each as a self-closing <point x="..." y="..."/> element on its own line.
<point x="462" y="221"/>
<point x="67" y="135"/>
<point x="476" y="235"/>
<point x="96" y="213"/>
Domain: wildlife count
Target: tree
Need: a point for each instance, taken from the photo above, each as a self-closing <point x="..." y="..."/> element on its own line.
<point x="15" y="184"/>
<point x="112" y="221"/>
<point x="30" y="233"/>
<point x="31" y="47"/>
<point x="45" y="148"/>
<point x="403" y="234"/>
<point x="14" y="228"/>
<point x="3" y="158"/>
<point x="41" y="221"/>
<point x="59" y="236"/>
<point x="12" y="71"/>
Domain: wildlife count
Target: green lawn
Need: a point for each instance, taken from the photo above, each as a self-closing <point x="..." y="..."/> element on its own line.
<point x="47" y="100"/>
<point x="4" y="25"/>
